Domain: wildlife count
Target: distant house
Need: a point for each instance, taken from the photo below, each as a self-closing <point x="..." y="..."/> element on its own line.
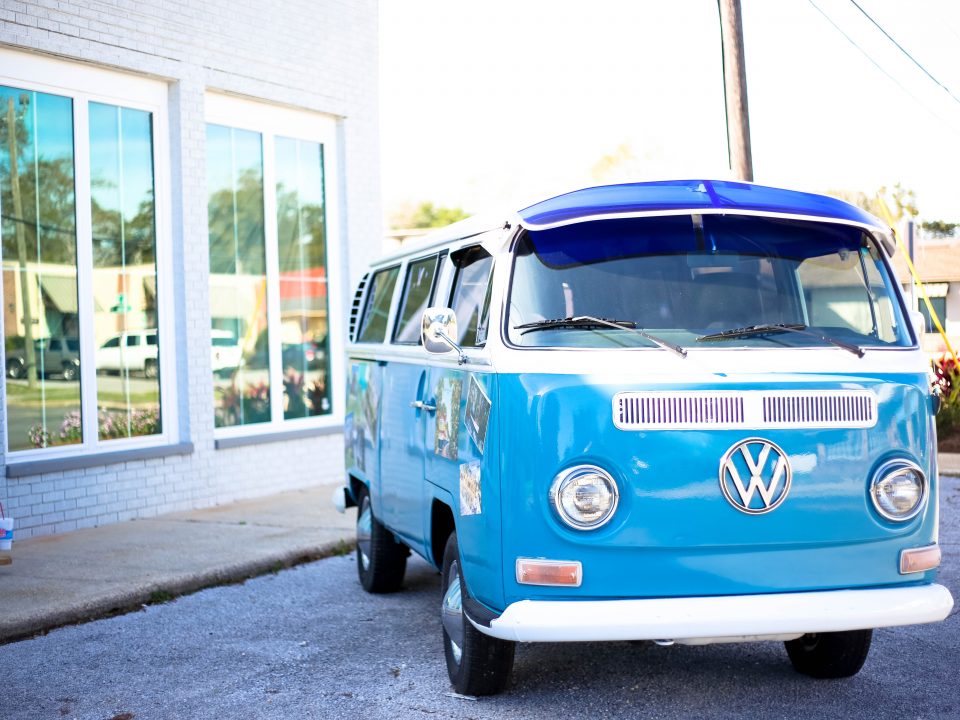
<point x="938" y="264"/>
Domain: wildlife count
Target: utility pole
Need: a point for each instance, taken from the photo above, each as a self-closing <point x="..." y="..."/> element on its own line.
<point x="735" y="90"/>
<point x="30" y="355"/>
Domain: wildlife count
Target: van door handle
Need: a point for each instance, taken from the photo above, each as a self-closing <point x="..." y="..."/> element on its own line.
<point x="421" y="405"/>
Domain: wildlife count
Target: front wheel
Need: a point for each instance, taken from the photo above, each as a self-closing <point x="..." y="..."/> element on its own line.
<point x="71" y="371"/>
<point x="381" y="559"/>
<point x="476" y="663"/>
<point x="830" y="655"/>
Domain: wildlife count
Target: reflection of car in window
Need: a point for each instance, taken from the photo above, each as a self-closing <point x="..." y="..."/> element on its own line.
<point x="131" y="351"/>
<point x="225" y="351"/>
<point x="53" y="356"/>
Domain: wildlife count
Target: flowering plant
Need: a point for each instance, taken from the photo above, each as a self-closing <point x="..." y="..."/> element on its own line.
<point x="946" y="384"/>
<point x="249" y="405"/>
<point x="111" y="424"/>
<point x="946" y="378"/>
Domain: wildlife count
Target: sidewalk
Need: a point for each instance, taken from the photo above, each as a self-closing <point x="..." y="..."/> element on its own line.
<point x="85" y="574"/>
<point x="949" y="463"/>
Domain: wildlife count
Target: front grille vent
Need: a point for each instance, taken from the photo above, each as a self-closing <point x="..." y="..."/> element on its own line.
<point x="753" y="409"/>
<point x="665" y="410"/>
<point x="819" y="410"/>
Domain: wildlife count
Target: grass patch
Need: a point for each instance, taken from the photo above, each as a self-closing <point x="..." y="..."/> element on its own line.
<point x="158" y="597"/>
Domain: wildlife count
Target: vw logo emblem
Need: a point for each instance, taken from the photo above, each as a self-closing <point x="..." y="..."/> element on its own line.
<point x="766" y="469"/>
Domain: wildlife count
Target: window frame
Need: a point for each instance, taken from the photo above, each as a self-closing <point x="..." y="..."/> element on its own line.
<point x="438" y="259"/>
<point x="84" y="84"/>
<point x="368" y="297"/>
<point x="485" y="302"/>
<point x="271" y="121"/>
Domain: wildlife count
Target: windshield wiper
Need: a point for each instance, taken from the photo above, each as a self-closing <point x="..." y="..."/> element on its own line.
<point x="588" y="322"/>
<point x="769" y="329"/>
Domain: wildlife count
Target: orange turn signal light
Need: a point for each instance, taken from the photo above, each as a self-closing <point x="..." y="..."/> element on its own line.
<point x="531" y="571"/>
<point x="919" y="559"/>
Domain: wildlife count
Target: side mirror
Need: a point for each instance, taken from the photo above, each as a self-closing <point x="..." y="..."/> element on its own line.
<point x="438" y="328"/>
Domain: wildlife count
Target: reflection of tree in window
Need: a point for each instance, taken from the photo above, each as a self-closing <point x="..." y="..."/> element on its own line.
<point x="122" y="209"/>
<point x="39" y="251"/>
<point x="236" y="226"/>
<point x="238" y="292"/>
<point x="303" y="281"/>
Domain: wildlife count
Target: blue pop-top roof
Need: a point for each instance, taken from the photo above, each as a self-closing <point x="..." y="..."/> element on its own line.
<point x="688" y="195"/>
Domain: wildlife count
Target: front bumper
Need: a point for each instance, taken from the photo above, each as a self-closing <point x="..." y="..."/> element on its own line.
<point x="719" y="619"/>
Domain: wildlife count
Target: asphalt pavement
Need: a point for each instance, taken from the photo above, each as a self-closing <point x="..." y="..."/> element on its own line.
<point x="308" y="642"/>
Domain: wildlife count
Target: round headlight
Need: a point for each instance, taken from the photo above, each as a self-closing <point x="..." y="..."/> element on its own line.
<point x="898" y="490"/>
<point x="585" y="497"/>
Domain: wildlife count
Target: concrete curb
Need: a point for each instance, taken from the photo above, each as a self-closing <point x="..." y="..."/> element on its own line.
<point x="949" y="463"/>
<point x="118" y="603"/>
<point x="83" y="575"/>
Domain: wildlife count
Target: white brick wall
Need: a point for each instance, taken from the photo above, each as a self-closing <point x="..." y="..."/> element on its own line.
<point x="319" y="55"/>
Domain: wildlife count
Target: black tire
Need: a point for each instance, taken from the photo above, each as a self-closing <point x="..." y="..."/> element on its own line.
<point x="150" y="369"/>
<point x="830" y="655"/>
<point x="71" y="371"/>
<point x="476" y="663"/>
<point x="381" y="558"/>
<point x="16" y="369"/>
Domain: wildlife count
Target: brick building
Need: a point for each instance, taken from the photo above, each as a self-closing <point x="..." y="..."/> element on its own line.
<point x="189" y="191"/>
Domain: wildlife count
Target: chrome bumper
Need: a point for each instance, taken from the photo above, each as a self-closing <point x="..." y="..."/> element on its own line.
<point x="720" y="619"/>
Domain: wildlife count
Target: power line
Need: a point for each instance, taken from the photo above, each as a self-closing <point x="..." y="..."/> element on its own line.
<point x="880" y="68"/>
<point x="901" y="48"/>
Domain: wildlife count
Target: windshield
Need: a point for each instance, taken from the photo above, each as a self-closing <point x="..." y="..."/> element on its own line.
<point x="682" y="277"/>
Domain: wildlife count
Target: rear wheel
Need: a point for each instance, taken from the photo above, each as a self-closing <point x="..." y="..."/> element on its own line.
<point x="150" y="368"/>
<point x="476" y="663"/>
<point x="830" y="655"/>
<point x="16" y="369"/>
<point x="381" y="559"/>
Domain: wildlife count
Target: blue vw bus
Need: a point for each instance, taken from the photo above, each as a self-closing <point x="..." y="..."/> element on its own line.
<point x="688" y="412"/>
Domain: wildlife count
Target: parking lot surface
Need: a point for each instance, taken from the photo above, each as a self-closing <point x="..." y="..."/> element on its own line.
<point x="308" y="642"/>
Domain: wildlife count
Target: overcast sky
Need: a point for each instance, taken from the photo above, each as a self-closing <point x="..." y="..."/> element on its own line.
<point x="499" y="102"/>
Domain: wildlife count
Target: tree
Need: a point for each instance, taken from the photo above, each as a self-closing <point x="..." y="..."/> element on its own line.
<point x="900" y="201"/>
<point x="428" y="215"/>
<point x="940" y="229"/>
<point x="617" y="166"/>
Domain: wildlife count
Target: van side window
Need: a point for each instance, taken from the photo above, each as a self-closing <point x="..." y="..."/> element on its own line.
<point x="417" y="291"/>
<point x="470" y="296"/>
<point x="373" y="326"/>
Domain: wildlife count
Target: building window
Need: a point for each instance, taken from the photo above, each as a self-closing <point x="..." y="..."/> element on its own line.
<point x="939" y="307"/>
<point x="238" y="276"/>
<point x="270" y="218"/>
<point x="122" y="212"/>
<point x="79" y="198"/>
